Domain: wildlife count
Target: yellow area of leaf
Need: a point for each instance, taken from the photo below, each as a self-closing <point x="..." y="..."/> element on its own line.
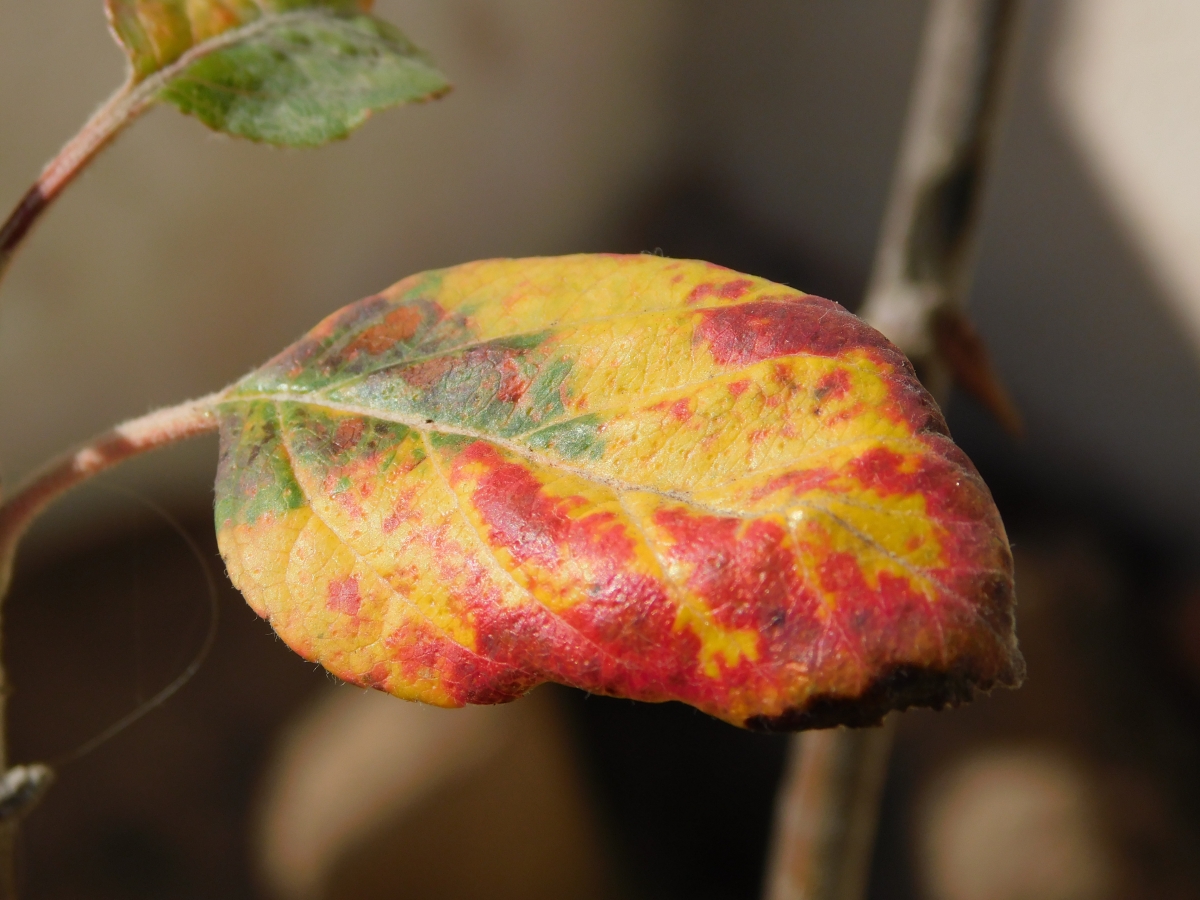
<point x="717" y="644"/>
<point x="524" y="296"/>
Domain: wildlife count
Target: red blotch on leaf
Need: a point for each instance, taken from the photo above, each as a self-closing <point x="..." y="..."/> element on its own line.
<point x="728" y="290"/>
<point x="378" y="677"/>
<point x="627" y="615"/>
<point x="528" y="523"/>
<point x="766" y="329"/>
<point x="746" y="576"/>
<point x="342" y="595"/>
<point x="799" y="482"/>
<point x="833" y="386"/>
<point x="513" y="384"/>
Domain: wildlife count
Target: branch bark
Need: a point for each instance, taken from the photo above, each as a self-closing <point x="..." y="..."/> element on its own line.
<point x="828" y="806"/>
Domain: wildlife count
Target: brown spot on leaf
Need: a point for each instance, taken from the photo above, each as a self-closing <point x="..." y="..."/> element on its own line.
<point x="397" y="326"/>
<point x="513" y="383"/>
<point x="349" y="433"/>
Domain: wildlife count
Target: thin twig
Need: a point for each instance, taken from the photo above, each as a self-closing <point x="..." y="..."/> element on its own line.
<point x="149" y="432"/>
<point x="118" y="111"/>
<point x="121" y="109"/>
<point x="828" y="805"/>
<point x="157" y="429"/>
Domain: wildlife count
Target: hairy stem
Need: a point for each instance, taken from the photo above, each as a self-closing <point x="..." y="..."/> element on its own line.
<point x="149" y="432"/>
<point x="828" y="806"/>
<point x="118" y="111"/>
<point x="121" y="109"/>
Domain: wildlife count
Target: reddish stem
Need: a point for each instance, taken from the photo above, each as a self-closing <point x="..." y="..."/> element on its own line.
<point x="149" y="432"/>
<point x="134" y="98"/>
<point x="118" y="111"/>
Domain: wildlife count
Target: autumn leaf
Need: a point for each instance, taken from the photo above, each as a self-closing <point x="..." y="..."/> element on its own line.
<point x="644" y="477"/>
<point x="289" y="72"/>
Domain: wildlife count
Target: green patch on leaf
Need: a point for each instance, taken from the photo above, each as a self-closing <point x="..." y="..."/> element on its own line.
<point x="254" y="477"/>
<point x="441" y="440"/>
<point x="545" y="393"/>
<point x="522" y="341"/>
<point x="574" y="439"/>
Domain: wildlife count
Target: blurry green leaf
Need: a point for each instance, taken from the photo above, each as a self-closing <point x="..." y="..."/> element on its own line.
<point x="289" y="72"/>
<point x="305" y="82"/>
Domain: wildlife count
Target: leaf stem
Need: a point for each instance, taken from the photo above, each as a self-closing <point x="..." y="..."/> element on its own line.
<point x="105" y="124"/>
<point x="122" y="108"/>
<point x="149" y="432"/>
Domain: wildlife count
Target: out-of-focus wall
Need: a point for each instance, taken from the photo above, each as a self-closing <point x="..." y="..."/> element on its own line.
<point x="182" y="259"/>
<point x="1127" y="79"/>
<point x="797" y="107"/>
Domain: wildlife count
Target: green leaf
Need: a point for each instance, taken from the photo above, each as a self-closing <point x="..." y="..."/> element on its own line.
<point x="306" y="82"/>
<point x="295" y="73"/>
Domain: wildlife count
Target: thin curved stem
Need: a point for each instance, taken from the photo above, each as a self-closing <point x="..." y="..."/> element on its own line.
<point x="149" y="432"/>
<point x="121" y="109"/>
<point x="105" y="124"/>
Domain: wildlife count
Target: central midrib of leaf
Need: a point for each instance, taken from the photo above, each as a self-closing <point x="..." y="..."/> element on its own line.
<point x="424" y="427"/>
<point x="156" y="80"/>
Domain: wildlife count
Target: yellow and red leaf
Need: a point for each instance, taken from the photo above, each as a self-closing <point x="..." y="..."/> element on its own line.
<point x="644" y="477"/>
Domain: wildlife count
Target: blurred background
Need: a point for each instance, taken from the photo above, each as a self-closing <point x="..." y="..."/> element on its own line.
<point x="758" y="134"/>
